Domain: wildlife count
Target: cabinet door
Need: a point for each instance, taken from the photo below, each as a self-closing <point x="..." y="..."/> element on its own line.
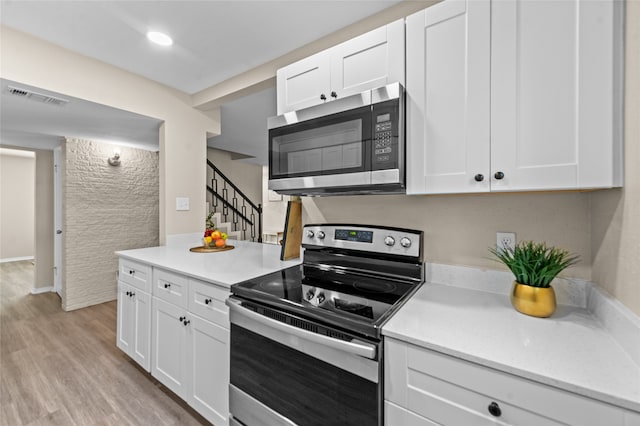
<point x="170" y="357"/>
<point x="371" y="60"/>
<point x="125" y="322"/>
<point x="210" y="370"/>
<point x="448" y="67"/>
<point x="555" y="94"/>
<point x="301" y="84"/>
<point x="141" y="338"/>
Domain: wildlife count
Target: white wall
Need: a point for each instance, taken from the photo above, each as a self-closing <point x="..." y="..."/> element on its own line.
<point x="44" y="223"/>
<point x="105" y="209"/>
<point x="17" y="198"/>
<point x="274" y="211"/>
<point x="615" y="238"/>
<point x="246" y="176"/>
<point x="183" y="135"/>
<point x="459" y="229"/>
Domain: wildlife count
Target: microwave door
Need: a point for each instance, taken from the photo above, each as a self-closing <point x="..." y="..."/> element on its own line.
<point x="321" y="151"/>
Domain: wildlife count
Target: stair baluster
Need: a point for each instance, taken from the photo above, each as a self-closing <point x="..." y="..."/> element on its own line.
<point x="244" y="216"/>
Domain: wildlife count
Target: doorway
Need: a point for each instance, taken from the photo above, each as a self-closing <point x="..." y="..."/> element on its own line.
<point x="26" y="216"/>
<point x="17" y="212"/>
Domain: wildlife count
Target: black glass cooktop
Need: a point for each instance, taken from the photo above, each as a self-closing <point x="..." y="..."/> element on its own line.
<point x="352" y="296"/>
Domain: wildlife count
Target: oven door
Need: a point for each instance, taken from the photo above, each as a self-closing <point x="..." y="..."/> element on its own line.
<point x="285" y="375"/>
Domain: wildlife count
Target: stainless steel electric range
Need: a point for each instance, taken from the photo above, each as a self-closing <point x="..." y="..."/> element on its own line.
<point x="306" y="344"/>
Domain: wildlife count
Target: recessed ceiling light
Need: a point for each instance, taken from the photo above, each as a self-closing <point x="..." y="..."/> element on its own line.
<point x="159" y="38"/>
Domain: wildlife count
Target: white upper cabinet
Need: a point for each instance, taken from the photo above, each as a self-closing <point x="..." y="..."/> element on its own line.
<point x="448" y="134"/>
<point x="514" y="96"/>
<point x="555" y="94"/>
<point x="301" y="84"/>
<point x="368" y="61"/>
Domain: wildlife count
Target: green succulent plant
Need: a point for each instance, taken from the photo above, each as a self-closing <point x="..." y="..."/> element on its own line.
<point x="535" y="264"/>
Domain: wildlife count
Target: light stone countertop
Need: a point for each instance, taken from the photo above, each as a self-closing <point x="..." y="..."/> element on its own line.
<point x="571" y="350"/>
<point x="247" y="260"/>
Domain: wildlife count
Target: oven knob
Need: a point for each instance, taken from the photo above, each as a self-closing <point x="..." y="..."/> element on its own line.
<point x="405" y="242"/>
<point x="321" y="298"/>
<point x="389" y="240"/>
<point x="321" y="235"/>
<point x="310" y="233"/>
<point x="310" y="295"/>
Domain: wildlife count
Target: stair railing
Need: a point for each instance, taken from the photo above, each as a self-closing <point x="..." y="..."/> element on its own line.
<point x="225" y="198"/>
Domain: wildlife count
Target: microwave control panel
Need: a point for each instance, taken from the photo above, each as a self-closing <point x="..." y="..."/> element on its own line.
<point x="385" y="141"/>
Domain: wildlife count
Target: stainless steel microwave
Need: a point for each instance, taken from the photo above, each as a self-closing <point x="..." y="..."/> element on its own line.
<point x="353" y="145"/>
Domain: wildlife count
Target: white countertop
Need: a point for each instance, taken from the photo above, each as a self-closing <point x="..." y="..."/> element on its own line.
<point x="570" y="350"/>
<point x="247" y="260"/>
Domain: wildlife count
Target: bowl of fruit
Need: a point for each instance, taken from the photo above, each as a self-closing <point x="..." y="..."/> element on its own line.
<point x="213" y="239"/>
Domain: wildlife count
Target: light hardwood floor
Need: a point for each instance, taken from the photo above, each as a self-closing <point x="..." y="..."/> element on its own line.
<point x="63" y="368"/>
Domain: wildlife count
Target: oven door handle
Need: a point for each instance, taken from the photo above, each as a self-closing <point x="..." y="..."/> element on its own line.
<point x="355" y="346"/>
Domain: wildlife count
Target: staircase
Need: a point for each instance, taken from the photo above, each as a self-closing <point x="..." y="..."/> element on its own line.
<point x="226" y="227"/>
<point x="234" y="213"/>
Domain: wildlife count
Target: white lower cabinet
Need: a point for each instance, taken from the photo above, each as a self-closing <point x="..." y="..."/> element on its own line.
<point x="180" y="333"/>
<point x="191" y="357"/>
<point x="209" y="369"/>
<point x="133" y="335"/>
<point x="170" y="340"/>
<point x="424" y="387"/>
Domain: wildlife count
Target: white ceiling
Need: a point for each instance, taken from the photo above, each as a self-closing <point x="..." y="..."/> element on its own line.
<point x="27" y="123"/>
<point x="244" y="126"/>
<point x="213" y="41"/>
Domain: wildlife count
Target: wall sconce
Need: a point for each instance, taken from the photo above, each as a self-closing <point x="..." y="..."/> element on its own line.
<point x="115" y="160"/>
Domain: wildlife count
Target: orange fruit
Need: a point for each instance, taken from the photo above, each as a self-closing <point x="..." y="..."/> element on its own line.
<point x="215" y="235"/>
<point x="220" y="242"/>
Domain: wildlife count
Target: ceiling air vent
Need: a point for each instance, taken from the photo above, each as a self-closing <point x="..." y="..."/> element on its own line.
<point x="35" y="96"/>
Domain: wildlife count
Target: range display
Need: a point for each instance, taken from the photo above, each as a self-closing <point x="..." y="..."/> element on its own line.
<point x="323" y="320"/>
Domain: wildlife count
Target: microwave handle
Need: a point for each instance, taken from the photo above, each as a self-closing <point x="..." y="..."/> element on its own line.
<point x="354" y="346"/>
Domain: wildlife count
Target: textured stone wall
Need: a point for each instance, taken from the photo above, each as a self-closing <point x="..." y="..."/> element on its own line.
<point x="105" y="209"/>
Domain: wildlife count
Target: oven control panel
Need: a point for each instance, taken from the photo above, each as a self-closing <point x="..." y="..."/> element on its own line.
<point x="382" y="239"/>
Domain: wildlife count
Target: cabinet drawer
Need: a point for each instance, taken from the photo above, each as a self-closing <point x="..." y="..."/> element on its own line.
<point x="207" y="301"/>
<point x="396" y="415"/>
<point x="448" y="390"/>
<point x="170" y="287"/>
<point x="135" y="273"/>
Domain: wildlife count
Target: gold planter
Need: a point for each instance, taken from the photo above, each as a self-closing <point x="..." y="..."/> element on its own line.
<point x="535" y="301"/>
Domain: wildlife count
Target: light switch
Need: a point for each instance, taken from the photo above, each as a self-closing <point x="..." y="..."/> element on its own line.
<point x="182" y="203"/>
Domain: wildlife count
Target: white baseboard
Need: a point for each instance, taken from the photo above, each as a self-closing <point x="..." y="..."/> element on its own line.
<point x="40" y="290"/>
<point x="16" y="259"/>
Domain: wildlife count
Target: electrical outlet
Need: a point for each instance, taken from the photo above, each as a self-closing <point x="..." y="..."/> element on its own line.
<point x="505" y="240"/>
